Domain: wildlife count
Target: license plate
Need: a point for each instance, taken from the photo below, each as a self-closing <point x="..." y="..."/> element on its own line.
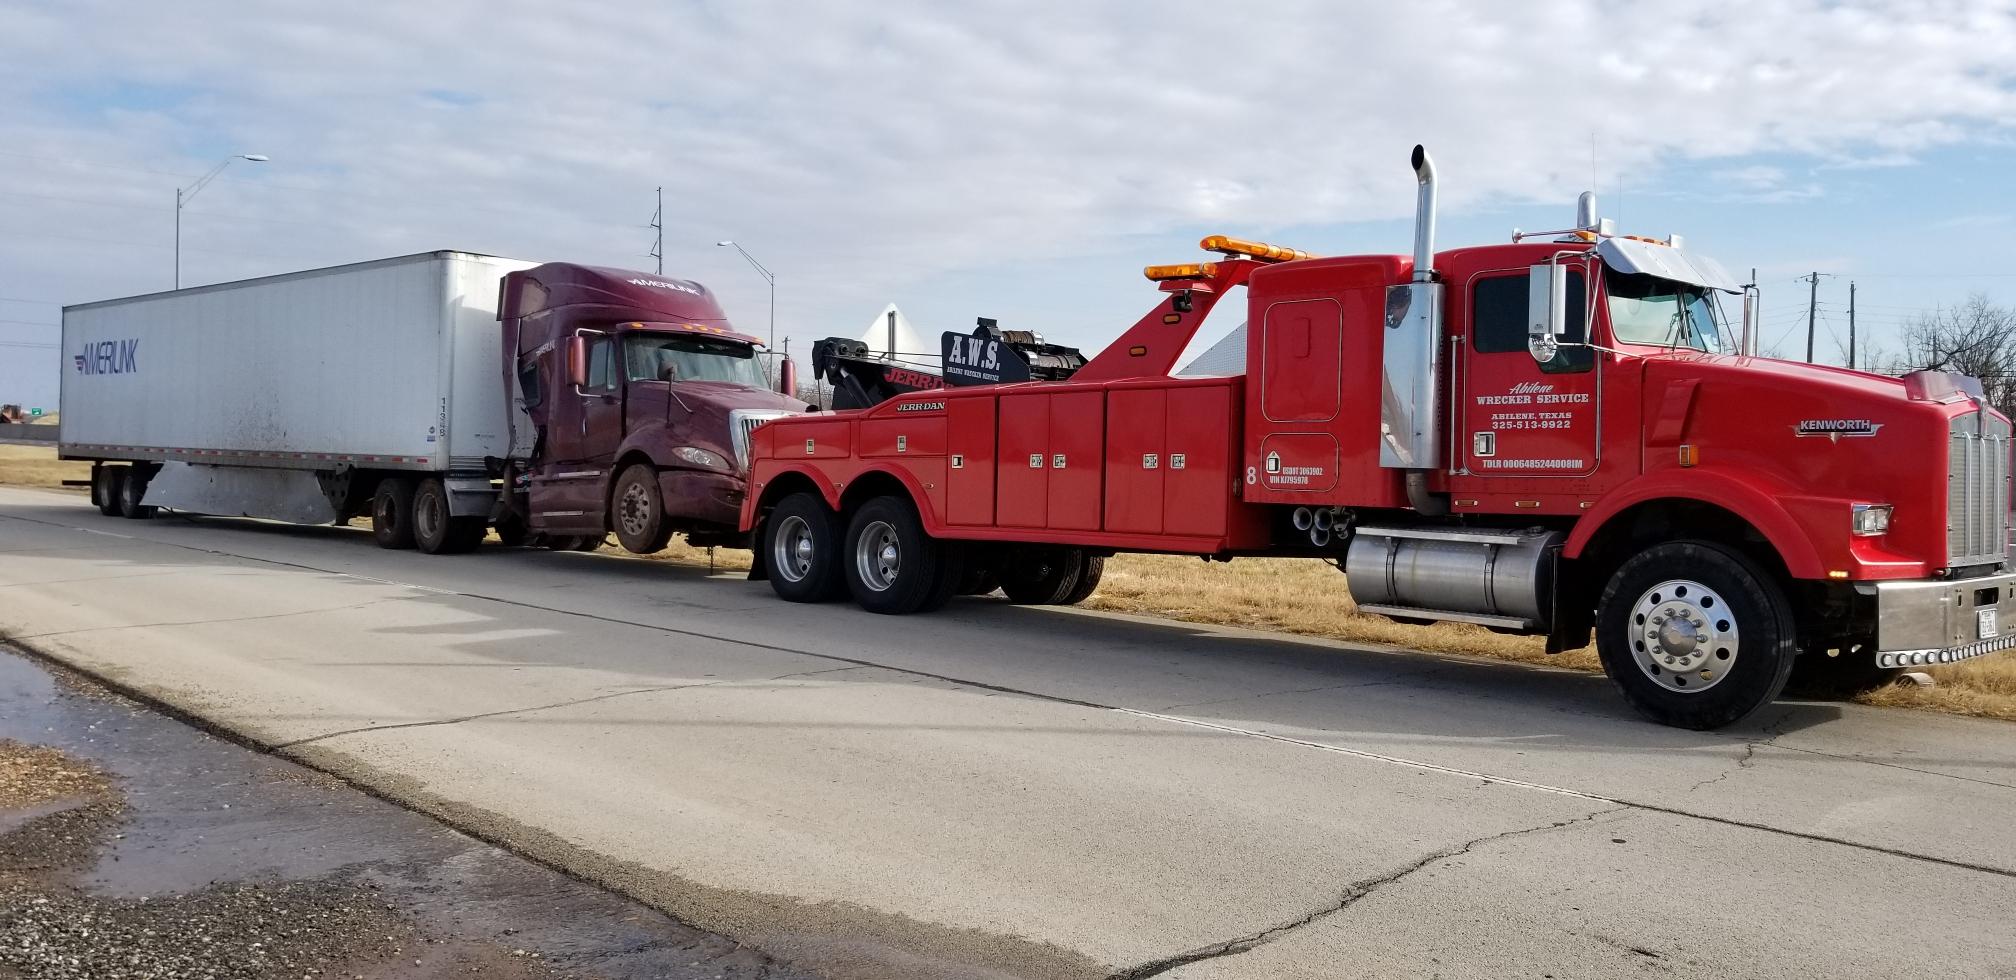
<point x="1984" y="624"/>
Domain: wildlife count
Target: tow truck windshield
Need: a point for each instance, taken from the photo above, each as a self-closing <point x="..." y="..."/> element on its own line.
<point x="1660" y="312"/>
<point x="684" y="357"/>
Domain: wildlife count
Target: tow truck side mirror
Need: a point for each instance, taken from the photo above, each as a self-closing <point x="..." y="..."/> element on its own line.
<point x="577" y="361"/>
<point x="1546" y="310"/>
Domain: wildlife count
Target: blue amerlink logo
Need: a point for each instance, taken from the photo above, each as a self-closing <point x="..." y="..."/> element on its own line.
<point x="108" y="357"/>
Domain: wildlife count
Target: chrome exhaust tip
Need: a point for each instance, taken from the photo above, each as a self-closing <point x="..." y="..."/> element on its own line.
<point x="1304" y="520"/>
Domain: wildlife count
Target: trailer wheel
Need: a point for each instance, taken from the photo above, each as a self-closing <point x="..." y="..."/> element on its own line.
<point x="801" y="547"/>
<point x="638" y="509"/>
<point x="1695" y="635"/>
<point x="105" y="486"/>
<point x="1041" y="576"/>
<point x="132" y="490"/>
<point x="892" y="566"/>
<point x="1090" y="571"/>
<point x="392" y="512"/>
<point x="1819" y="677"/>
<point x="436" y="529"/>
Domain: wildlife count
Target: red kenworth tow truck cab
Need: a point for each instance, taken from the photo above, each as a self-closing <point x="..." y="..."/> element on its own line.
<point x="1557" y="436"/>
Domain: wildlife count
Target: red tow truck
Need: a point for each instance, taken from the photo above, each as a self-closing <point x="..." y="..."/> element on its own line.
<point x="1564" y="435"/>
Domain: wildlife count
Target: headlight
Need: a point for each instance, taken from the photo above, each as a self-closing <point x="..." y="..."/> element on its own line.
<point x="702" y="457"/>
<point x="1870" y="519"/>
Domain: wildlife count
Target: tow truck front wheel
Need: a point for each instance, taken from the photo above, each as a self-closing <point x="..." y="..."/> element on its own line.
<point x="1695" y="635"/>
<point x="892" y="566"/>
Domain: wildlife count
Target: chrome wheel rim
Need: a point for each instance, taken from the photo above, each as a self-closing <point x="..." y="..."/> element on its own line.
<point x="791" y="549"/>
<point x="877" y="558"/>
<point x="633" y="511"/>
<point x="1683" y="636"/>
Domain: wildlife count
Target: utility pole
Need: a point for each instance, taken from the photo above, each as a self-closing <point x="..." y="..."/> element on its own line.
<point x="1812" y="304"/>
<point x="658" y="222"/>
<point x="1851" y="324"/>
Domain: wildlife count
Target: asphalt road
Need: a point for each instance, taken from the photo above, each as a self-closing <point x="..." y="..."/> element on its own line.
<point x="997" y="791"/>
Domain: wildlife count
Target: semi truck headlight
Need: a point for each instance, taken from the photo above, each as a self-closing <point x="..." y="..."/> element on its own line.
<point x="701" y="457"/>
<point x="1871" y="519"/>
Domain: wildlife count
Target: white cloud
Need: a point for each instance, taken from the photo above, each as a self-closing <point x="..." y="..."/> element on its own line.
<point x="860" y="148"/>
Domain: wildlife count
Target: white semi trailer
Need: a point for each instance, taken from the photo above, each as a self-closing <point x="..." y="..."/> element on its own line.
<point x="265" y="398"/>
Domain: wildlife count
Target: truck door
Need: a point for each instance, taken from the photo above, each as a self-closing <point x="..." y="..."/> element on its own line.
<point x="586" y="429"/>
<point x="1521" y="418"/>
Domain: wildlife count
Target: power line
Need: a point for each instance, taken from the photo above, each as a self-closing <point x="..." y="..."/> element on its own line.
<point x="34" y="323"/>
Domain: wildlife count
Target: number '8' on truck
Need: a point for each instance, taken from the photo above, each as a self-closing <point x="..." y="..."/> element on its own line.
<point x="1565" y="435"/>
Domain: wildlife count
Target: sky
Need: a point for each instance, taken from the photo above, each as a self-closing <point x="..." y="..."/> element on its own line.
<point x="1021" y="161"/>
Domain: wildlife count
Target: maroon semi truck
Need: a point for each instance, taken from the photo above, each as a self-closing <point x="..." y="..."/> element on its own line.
<point x="638" y="397"/>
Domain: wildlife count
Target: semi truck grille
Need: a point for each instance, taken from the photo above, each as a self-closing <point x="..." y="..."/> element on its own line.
<point x="743" y="422"/>
<point x="1977" y="490"/>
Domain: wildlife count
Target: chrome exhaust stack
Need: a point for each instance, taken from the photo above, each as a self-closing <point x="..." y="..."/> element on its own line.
<point x="1411" y="356"/>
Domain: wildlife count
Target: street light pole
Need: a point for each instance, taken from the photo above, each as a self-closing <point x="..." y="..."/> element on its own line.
<point x="766" y="274"/>
<point x="183" y="196"/>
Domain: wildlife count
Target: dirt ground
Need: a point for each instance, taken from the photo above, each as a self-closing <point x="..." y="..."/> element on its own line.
<point x="1287" y="594"/>
<point x="133" y="847"/>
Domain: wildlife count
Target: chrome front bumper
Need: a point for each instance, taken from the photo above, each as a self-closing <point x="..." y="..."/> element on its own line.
<point x="1938" y="622"/>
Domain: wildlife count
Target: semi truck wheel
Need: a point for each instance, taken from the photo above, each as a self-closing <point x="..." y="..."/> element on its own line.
<point x="1090" y="571"/>
<point x="436" y="530"/>
<point x="1695" y="635"/>
<point x="801" y="544"/>
<point x="892" y="566"/>
<point x="1041" y="576"/>
<point x="132" y="490"/>
<point x="638" y="507"/>
<point x="392" y="513"/>
<point x="105" y="485"/>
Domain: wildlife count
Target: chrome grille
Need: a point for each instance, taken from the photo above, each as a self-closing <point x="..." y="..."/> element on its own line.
<point x="741" y="423"/>
<point x="1977" y="490"/>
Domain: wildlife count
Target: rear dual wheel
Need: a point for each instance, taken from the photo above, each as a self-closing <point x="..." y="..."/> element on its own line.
<point x="801" y="547"/>
<point x="1051" y="576"/>
<point x="436" y="529"/>
<point x="107" y="483"/>
<point x="892" y="566"/>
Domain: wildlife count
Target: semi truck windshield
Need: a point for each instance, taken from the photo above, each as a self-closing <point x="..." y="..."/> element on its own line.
<point x="677" y="357"/>
<point x="1650" y="310"/>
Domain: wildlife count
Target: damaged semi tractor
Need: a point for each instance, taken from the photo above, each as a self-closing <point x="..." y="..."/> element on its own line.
<point x="444" y="394"/>
<point x="1564" y="435"/>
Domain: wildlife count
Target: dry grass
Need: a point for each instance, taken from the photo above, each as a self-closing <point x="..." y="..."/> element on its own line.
<point x="37" y="466"/>
<point x="1291" y="595"/>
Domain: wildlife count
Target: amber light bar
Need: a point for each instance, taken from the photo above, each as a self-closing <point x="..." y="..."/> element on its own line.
<point x="1227" y="245"/>
<point x="1188" y="270"/>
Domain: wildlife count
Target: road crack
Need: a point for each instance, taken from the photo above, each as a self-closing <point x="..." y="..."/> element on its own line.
<point x="1353" y="894"/>
<point x="1742" y="762"/>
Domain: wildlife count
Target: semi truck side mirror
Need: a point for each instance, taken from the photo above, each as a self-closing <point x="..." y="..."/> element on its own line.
<point x="577" y="361"/>
<point x="1546" y="310"/>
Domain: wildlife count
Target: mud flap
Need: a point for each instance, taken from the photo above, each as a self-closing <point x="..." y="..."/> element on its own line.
<point x="759" y="561"/>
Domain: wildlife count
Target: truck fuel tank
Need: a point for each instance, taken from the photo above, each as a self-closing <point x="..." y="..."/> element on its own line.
<point x="1488" y="576"/>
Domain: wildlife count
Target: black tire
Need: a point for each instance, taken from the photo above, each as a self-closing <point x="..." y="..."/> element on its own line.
<point x="1041" y="576"/>
<point x="1819" y="677"/>
<point x="1090" y="571"/>
<point x="637" y="511"/>
<point x="392" y="513"/>
<point x="1728" y="649"/>
<point x="892" y="566"/>
<point x="132" y="490"/>
<point x="978" y="580"/>
<point x="801" y="550"/>
<point x="436" y="529"/>
<point x="512" y="532"/>
<point x="106" y="487"/>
